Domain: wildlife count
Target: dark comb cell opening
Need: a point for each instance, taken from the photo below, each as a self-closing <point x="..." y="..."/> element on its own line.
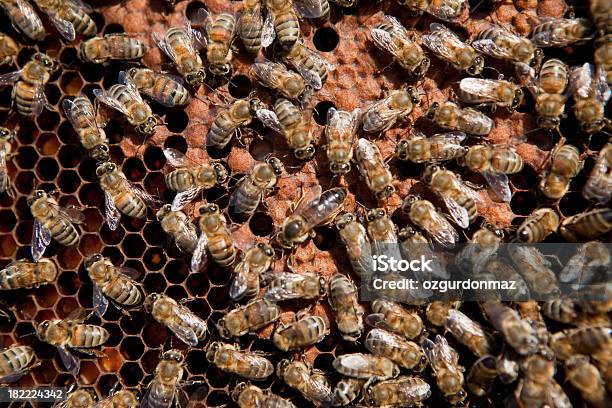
<point x="87" y="169"/>
<point x="218" y="398"/>
<point x="154" y="283"/>
<point x="111" y="237"/>
<point x="131" y="374"/>
<point x="92" y="195"/>
<point x="47" y="144"/>
<point x="134" y="169"/>
<point x="53" y="94"/>
<point x="523" y="203"/>
<point x="217" y="154"/>
<point x="240" y="86"/>
<point x="572" y="204"/>
<point x="116" y="155"/>
<point x="192" y="11"/>
<point x="71" y="83"/>
<point x="92" y="73"/>
<point x="261" y="224"/>
<point x="48" y="120"/>
<point x="68" y="257"/>
<point x="217" y="378"/>
<point x="113" y="254"/>
<point x="325" y="238"/>
<point x="155" y="184"/>
<point x="320" y="112"/>
<point x="46" y="296"/>
<point x="260" y="148"/>
<point x="68" y="283"/>
<point x="113" y="329"/>
<point x="47" y="169"/>
<point x="65" y="306"/>
<point x="196" y="361"/>
<point x="113" y="28"/>
<point x="132" y="348"/>
<point x="90" y="244"/>
<point x="197" y="284"/>
<point x="8" y="220"/>
<point x="326" y="39"/>
<point x="177" y="293"/>
<point x="154" y="234"/>
<point x="154" y="259"/>
<point x="154" y="158"/>
<point x="67" y="135"/>
<point x="154" y="335"/>
<point x="23" y="233"/>
<point x="70" y="156"/>
<point x="176" y="142"/>
<point x="218" y="297"/>
<point x="324" y="362"/>
<point x="26" y="157"/>
<point x="132" y="224"/>
<point x="218" y="195"/>
<point x="68" y="181"/>
<point x="68" y="56"/>
<point x="25" y="55"/>
<point x="88" y="373"/>
<point x="177" y="120"/>
<point x="176" y="271"/>
<point x="133" y="323"/>
<point x="133" y="246"/>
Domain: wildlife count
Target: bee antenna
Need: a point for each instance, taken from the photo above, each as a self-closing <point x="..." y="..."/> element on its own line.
<point x="21" y="336"/>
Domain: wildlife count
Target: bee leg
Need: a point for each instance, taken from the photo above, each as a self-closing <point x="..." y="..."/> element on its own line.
<point x="385" y="68"/>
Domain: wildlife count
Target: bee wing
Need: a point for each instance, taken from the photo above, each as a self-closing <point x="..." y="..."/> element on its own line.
<point x="458" y="213"/>
<point x="282" y="292"/>
<point x="445" y="11"/>
<point x="266" y="73"/>
<point x="126" y="79"/>
<point x="240" y="283"/>
<point x="71" y="213"/>
<point x="64" y="27"/>
<point x="472" y="117"/>
<point x="69" y="360"/>
<point x="131" y="273"/>
<point x="389" y="40"/>
<point x="10" y="78"/>
<point x="106" y="99"/>
<point x="499" y="184"/>
<point x="163" y="45"/>
<point x="602" y="89"/>
<point x="318" y="390"/>
<point x="99" y="301"/>
<point x="140" y="193"/>
<point x="488" y="47"/>
<point x="185" y="334"/>
<point x="482" y="87"/>
<point x="247" y="360"/>
<point x="310" y="8"/>
<point x="268" y="32"/>
<point x="379" y="115"/>
<point x="309" y="199"/>
<point x="367" y="150"/>
<point x="185" y="197"/>
<point x="199" y="257"/>
<point x="441" y="230"/>
<point x="175" y="157"/>
<point x="250" y="21"/>
<point x="112" y="213"/>
<point x="41" y="237"/>
<point x="4" y="178"/>
<point x="458" y="324"/>
<point x="74" y="119"/>
<point x="449" y="137"/>
<point x="12" y="377"/>
<point x="269" y="119"/>
<point x="547" y="38"/>
<point x="581" y="79"/>
<point x="389" y="339"/>
<point x="38" y="101"/>
<point x="442" y="41"/>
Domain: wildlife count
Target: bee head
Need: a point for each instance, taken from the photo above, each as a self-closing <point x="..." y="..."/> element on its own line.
<point x="267" y="249"/>
<point x="518" y="98"/>
<point x="340" y="168"/>
<point x="344" y="220"/>
<point x="385" y="192"/>
<point x="47" y="61"/>
<point x="212" y="349"/>
<point x="536" y="61"/>
<point x="93" y="259"/>
<point x="223" y="332"/>
<point x="497" y="231"/>
<point x="428" y="174"/>
<point x="422" y="68"/>
<point x="100" y="153"/>
<point x="400" y="149"/>
<point x="409" y="202"/>
<point x="415" y="97"/>
<point x="221" y="173"/>
<point x="209" y="209"/>
<point x="476" y="67"/>
<point x="238" y="390"/>
<point x="276" y="164"/>
<point x="6" y="134"/>
<point x="375" y="214"/>
<point x="173" y="355"/>
<point x="431" y="112"/>
<point x="150" y="301"/>
<point x="148" y="127"/>
<point x="196" y="78"/>
<point x="282" y="367"/>
<point x="163" y="211"/>
<point x="105" y="167"/>
<point x="305" y="153"/>
<point x="592" y="127"/>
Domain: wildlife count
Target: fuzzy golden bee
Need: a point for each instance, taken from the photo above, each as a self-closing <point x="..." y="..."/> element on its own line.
<point x="111" y="47"/>
<point x="286" y="285"/>
<point x="393" y="37"/>
<point x="398" y="392"/>
<point x="69" y="17"/>
<point x="15" y="361"/>
<point x="164" y="388"/>
<point x="583" y="340"/>
<point x="250" y="25"/>
<point x="82" y="116"/>
<point x="340" y="132"/>
<point x="598" y="186"/>
<point x="78" y="398"/>
<point x="24" y="19"/>
<point x="497" y="93"/>
<point x="535" y="269"/>
<point x="404" y="353"/>
<point x="549" y="89"/>
<point x="355" y="238"/>
<point x="254" y="263"/>
<point x="440" y="147"/>
<point x="243" y="363"/>
<point x="561" y="32"/>
<point x="413" y="246"/>
<point x="29" y="84"/>
<point x="52" y="221"/>
<point x="119" y="399"/>
<point x="252" y="188"/>
<point x="182" y="45"/>
<point x="482" y="375"/>
<point x="6" y="137"/>
<point x="346" y="391"/>
<point x="588" y="380"/>
<point x="8" y="50"/>
<point x="310" y="65"/>
<point x="161" y="88"/>
<point x="537" y="226"/>
<point x="395" y="318"/>
<point x="120" y="195"/>
<point x="564" y="165"/>
<point x="178" y="226"/>
<point x="251" y="396"/>
<point x="448" y="115"/>
<point x="469" y="333"/>
<point x="447" y="45"/>
<point x="282" y="21"/>
<point x="220" y="30"/>
<point x="22" y="273"/>
<point x="313" y="385"/>
<point x="72" y="334"/>
<point x="518" y="333"/>
<point x="373" y="169"/>
<point x="446" y="10"/>
<point x="587" y="225"/>
<point x="229" y="121"/>
<point x="187" y="326"/>
<point x="383" y="114"/>
<point x="366" y="366"/>
<point x="425" y="216"/>
<point x="215" y="237"/>
<point x="304" y="331"/>
<point x="112" y="282"/>
<point x="277" y="77"/>
<point x="444" y="361"/>
<point x="591" y="94"/>
<point x="248" y="318"/>
<point x="342" y="297"/>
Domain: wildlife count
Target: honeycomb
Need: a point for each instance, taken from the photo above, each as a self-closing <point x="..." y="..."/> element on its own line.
<point x="49" y="156"/>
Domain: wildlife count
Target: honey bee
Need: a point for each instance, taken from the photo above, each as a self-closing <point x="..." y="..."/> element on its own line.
<point x="285" y="286"/>
<point x="251" y="396"/>
<point x="314" y="9"/>
<point x="561" y="32"/>
<point x="538" y="226"/>
<point x="340" y="131"/>
<point x="24" y="19"/>
<point x="437" y="311"/>
<point x="565" y="164"/>
<point x="215" y="237"/>
<point x="346" y="391"/>
<point x="468" y="332"/>
<point x="220" y="32"/>
<point x="52" y="221"/>
<point x="311" y="384"/>
<point x="446" y="10"/>
<point x="111" y="47"/>
<point x="481" y="248"/>
<point x="187" y="326"/>
<point x="448" y="115"/>
<point x="72" y="334"/>
<point x="598" y="186"/>
<point x="491" y="92"/>
<point x="404" y="353"/>
<point x="373" y="169"/>
<point x="550" y="100"/>
<point x="403" y="391"/>
<point x="444" y="362"/>
<point x="112" y="282"/>
<point x="439" y="147"/>
<point x="392" y="37"/>
<point x="121" y="196"/>
<point x="248" y="318"/>
<point x="82" y="116"/>
<point x="119" y="399"/>
<point x="164" y="388"/>
<point x="561" y="310"/>
<point x="342" y="297"/>
<point x="354" y="236"/>
<point x="24" y="274"/>
<point x="309" y="64"/>
<point x="517" y="332"/>
<point x="535" y="270"/>
<point x="233" y="360"/>
<point x="181" y="45"/>
<point x="535" y="388"/>
<point x="29" y="84"/>
<point x="303" y="332"/>
<point x="6" y="137"/>
<point x="383" y="233"/>
<point x="313" y="209"/>
<point x="498" y="42"/>
<point x="8" y="49"/>
<point x="587" y="379"/>
<point x="255" y="262"/>
<point x="554" y="76"/>
<point x="603" y="55"/>
<point x="424" y="215"/>
<point x="15" y="361"/>
<point x="78" y="398"/>
<point x="583" y="340"/>
<point x="366" y="366"/>
<point x="507" y="365"/>
<point x="447" y="46"/>
<point x="250" y="26"/>
<point x="459" y="198"/>
<point x="587" y="225"/>
<point x="395" y="318"/>
<point x="414" y="245"/>
<point x="282" y="21"/>
<point x="287" y="119"/>
<point x="178" y="225"/>
<point x="163" y="89"/>
<point x="251" y="189"/>
<point x="494" y="163"/>
<point x="600" y="11"/>
<point x="500" y="269"/>
<point x="229" y="121"/>
<point x="482" y="375"/>
<point x="190" y="179"/>
<point x="591" y="93"/>
<point x="125" y="98"/>
<point x="277" y="77"/>
<point x="384" y="113"/>
<point x="69" y="17"/>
